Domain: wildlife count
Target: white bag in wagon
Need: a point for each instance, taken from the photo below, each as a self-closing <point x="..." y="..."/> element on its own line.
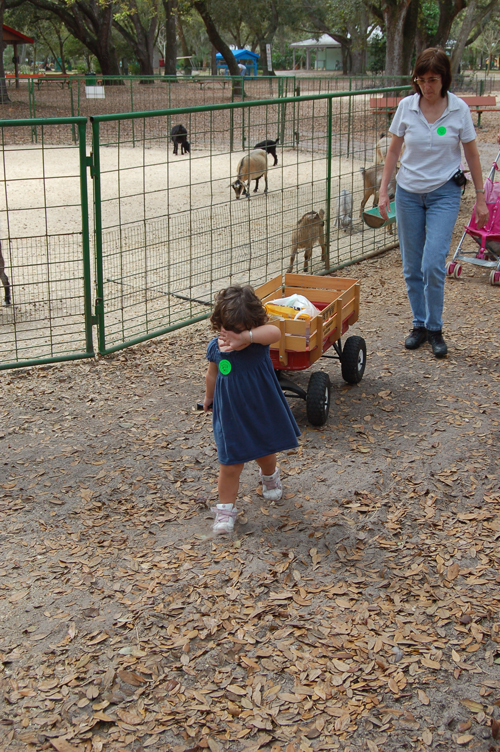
<point x="294" y="307"/>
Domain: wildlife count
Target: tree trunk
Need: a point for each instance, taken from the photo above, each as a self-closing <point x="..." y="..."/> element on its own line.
<point x="263" y="56"/>
<point x="394" y="17"/>
<point x="463" y="35"/>
<point x="170" y="7"/>
<point x="184" y="45"/>
<point x="410" y="34"/>
<point x="216" y="39"/>
<point x="4" y="97"/>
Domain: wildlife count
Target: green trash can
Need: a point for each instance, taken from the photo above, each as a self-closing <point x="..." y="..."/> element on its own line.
<point x="90" y="79"/>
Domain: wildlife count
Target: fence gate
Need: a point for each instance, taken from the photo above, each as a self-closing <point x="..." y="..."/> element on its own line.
<point x="44" y="226"/>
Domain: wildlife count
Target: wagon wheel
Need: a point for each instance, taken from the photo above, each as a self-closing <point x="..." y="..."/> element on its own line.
<point x="353" y="360"/>
<point x="318" y="398"/>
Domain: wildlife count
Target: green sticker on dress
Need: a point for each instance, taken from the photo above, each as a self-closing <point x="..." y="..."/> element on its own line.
<point x="441" y="130"/>
<point x="225" y="367"/>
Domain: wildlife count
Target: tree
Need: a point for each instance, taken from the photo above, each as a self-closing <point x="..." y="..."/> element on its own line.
<point x="476" y="16"/>
<point x="137" y="22"/>
<point x="215" y="37"/>
<point x="91" y="22"/>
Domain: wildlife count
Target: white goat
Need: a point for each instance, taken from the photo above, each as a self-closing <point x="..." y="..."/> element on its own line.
<point x="252" y="167"/>
<point x="343" y="210"/>
<point x="381" y="148"/>
<point x="309" y="231"/>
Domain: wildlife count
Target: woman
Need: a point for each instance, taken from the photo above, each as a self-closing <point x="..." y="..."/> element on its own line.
<point x="432" y="124"/>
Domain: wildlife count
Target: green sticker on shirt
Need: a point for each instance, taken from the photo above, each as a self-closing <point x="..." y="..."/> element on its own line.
<point x="441" y="130"/>
<point x="224" y="367"/>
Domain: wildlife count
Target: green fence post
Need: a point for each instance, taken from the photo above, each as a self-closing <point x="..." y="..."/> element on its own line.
<point x="73" y="131"/>
<point x="349" y="126"/>
<point x="329" y="130"/>
<point x="481" y="87"/>
<point x="87" y="282"/>
<point x="132" y="109"/>
<point x="99" y="300"/>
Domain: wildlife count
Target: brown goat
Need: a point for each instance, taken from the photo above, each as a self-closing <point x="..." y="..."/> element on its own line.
<point x="309" y="231"/>
<point x="372" y="177"/>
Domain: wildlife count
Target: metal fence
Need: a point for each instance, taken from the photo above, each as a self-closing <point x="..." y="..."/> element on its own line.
<point x="165" y="232"/>
<point x="87" y="96"/>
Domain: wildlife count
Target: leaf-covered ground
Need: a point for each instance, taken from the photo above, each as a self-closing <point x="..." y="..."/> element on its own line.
<point x="360" y="613"/>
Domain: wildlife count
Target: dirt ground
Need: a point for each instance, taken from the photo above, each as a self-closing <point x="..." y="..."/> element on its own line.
<point x="360" y="613"/>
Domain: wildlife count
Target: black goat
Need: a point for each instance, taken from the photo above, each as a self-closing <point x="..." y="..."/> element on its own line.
<point x="4" y="278"/>
<point x="270" y="147"/>
<point x="179" y="136"/>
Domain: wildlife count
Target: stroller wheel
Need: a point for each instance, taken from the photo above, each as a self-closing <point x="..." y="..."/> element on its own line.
<point x="495" y="277"/>
<point x="450" y="268"/>
<point x="457" y="271"/>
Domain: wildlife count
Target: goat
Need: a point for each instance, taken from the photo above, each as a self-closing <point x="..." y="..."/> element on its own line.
<point x="270" y="147"/>
<point x="372" y="177"/>
<point x="5" y="279"/>
<point x="308" y="232"/>
<point x="343" y="215"/>
<point x="179" y="136"/>
<point x="253" y="166"/>
<point x="381" y="148"/>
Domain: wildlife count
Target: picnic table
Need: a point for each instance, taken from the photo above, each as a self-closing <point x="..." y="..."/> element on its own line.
<point x="478" y="104"/>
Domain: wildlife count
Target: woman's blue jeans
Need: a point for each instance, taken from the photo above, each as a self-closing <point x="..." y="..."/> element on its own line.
<point x="425" y="225"/>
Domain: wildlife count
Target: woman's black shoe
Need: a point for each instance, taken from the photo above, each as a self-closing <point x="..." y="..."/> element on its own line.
<point x="437" y="343"/>
<point x="417" y="336"/>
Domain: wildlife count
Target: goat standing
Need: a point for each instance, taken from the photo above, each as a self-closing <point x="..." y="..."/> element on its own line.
<point x="179" y="136"/>
<point x="309" y="231"/>
<point x="5" y="279"/>
<point x="270" y="147"/>
<point x="372" y="177"/>
<point x="252" y="167"/>
<point x="343" y="215"/>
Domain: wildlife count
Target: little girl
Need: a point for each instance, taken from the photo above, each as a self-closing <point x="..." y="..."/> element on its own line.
<point x="251" y="417"/>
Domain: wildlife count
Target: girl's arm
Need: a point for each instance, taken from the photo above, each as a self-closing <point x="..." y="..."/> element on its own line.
<point x="262" y="335"/>
<point x="210" y="380"/>
<point x="391" y="160"/>
<point x="472" y="156"/>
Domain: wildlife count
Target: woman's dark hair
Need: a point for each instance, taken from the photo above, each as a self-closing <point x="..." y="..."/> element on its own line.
<point x="433" y="60"/>
<point x="236" y="309"/>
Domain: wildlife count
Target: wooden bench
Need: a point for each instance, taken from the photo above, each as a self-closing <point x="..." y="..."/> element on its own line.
<point x="479" y="105"/>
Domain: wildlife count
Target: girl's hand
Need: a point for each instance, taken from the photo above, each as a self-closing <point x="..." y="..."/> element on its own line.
<point x="229" y="341"/>
<point x="384" y="204"/>
<point x="207" y="404"/>
<point x="482" y="213"/>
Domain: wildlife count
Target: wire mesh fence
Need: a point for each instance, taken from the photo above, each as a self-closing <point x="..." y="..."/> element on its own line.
<point x="45" y="247"/>
<point x="166" y="230"/>
<point x="72" y="95"/>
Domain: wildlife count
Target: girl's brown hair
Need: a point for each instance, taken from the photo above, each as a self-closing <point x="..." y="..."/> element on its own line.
<point x="236" y="309"/>
<point x="433" y="60"/>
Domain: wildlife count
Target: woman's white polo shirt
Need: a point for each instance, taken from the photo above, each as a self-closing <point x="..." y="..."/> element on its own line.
<point x="432" y="150"/>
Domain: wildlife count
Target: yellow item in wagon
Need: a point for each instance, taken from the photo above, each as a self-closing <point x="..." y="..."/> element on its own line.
<point x="293" y="307"/>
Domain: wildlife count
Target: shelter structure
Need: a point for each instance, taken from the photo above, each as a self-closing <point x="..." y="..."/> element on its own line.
<point x="246" y="57"/>
<point x="11" y="36"/>
<point x="328" y="52"/>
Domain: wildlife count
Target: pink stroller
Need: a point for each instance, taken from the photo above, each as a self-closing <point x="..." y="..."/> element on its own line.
<point x="488" y="238"/>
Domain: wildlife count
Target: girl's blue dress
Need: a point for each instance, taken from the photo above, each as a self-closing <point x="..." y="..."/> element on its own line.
<point x="251" y="417"/>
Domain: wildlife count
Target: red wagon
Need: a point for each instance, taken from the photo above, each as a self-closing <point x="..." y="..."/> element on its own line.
<point x="303" y="342"/>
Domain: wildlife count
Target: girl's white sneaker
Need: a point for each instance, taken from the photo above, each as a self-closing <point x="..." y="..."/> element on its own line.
<point x="225" y="515"/>
<point x="271" y="485"/>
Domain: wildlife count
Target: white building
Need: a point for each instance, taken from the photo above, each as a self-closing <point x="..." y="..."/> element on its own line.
<point x="328" y="52"/>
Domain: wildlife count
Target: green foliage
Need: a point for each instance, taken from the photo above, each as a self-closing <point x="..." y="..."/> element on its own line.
<point x="429" y="17"/>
